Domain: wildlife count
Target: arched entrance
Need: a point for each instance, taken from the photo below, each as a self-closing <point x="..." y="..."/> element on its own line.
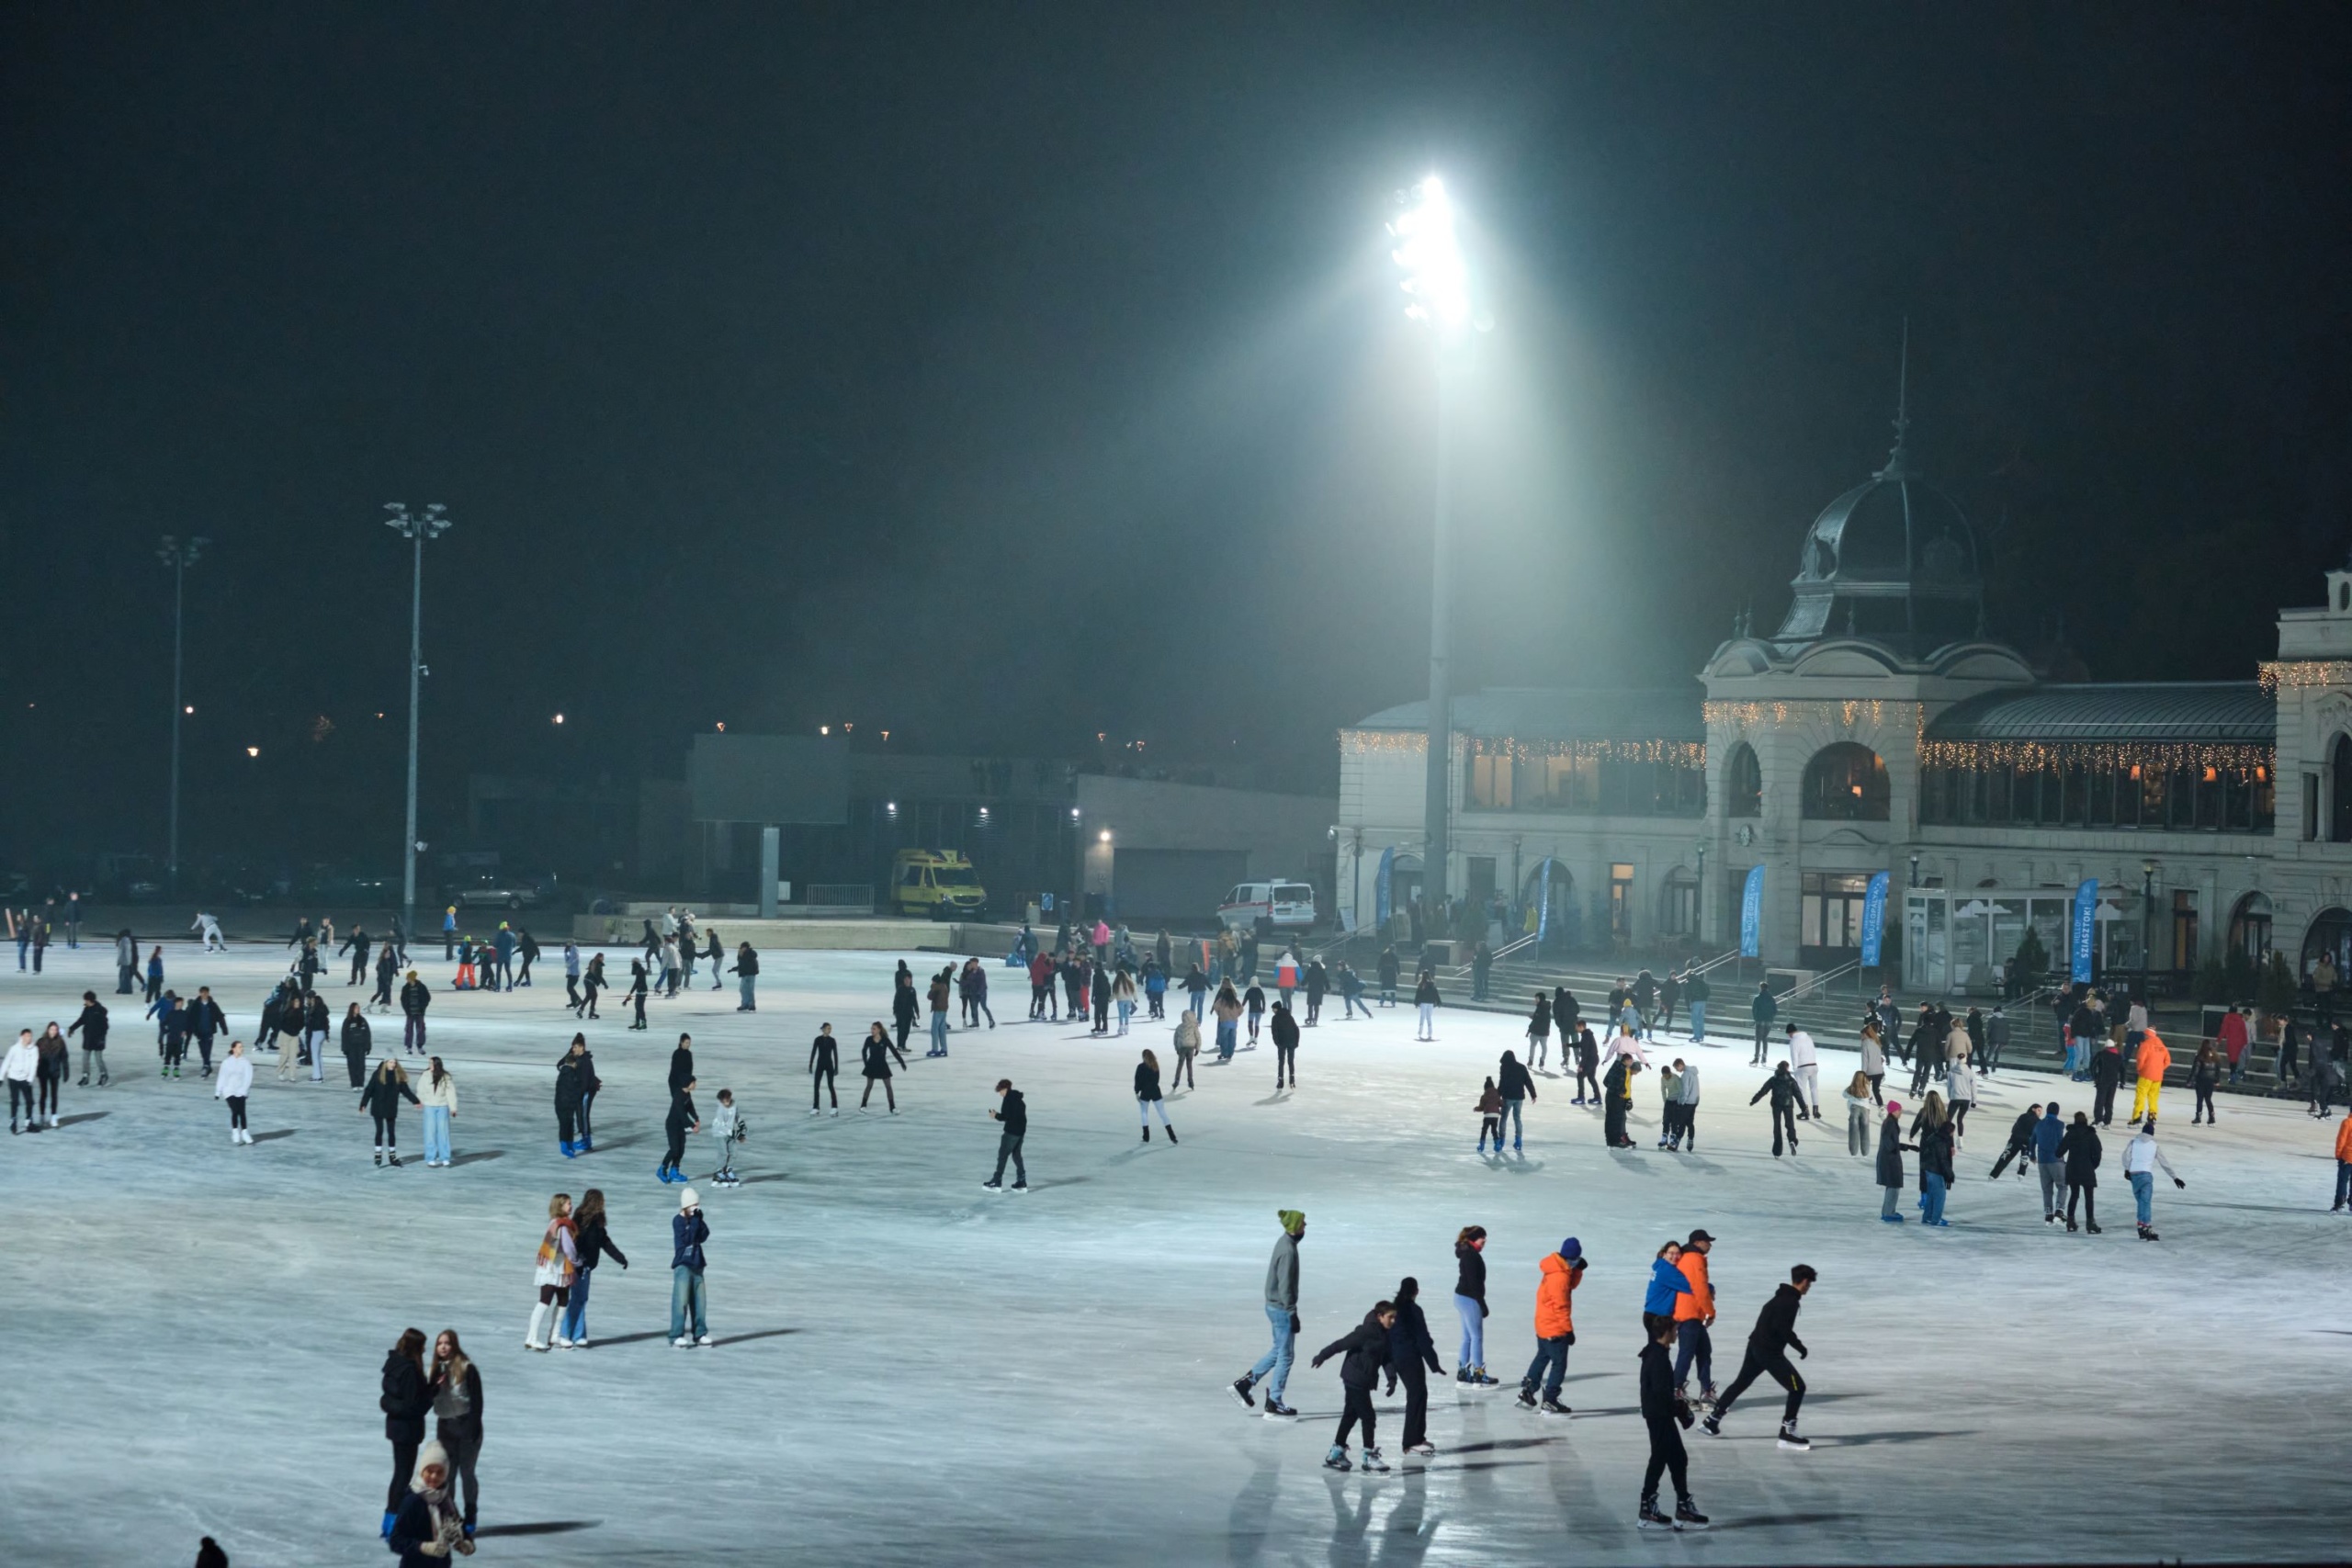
<point x="1845" y="783"/>
<point x="1548" y="895"/>
<point x="2329" y="932"/>
<point x="2250" y="928"/>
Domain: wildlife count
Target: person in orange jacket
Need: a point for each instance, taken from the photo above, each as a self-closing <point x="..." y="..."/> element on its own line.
<point x="2343" y="1165"/>
<point x="1555" y="1327"/>
<point x="2149" y="1065"/>
<point x="1693" y="1315"/>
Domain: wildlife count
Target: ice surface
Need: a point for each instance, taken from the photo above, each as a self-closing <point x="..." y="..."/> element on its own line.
<point x="912" y="1370"/>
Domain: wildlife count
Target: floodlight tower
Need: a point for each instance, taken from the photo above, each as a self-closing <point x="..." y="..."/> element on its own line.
<point x="1436" y="283"/>
<point x="431" y="525"/>
<point x="179" y="555"/>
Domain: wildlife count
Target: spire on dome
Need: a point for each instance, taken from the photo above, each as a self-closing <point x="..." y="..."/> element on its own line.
<point x="1898" y="461"/>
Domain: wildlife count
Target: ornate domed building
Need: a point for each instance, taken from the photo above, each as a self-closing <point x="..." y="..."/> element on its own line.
<point x="1880" y="731"/>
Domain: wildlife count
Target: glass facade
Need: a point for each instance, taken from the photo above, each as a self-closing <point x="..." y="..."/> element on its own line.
<point x="1957" y="941"/>
<point x="2102" y="794"/>
<point x="1583" y="784"/>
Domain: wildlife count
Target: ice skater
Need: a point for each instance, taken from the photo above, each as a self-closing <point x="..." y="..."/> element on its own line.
<point x="1539" y="1031"/>
<point x="730" y="1129"/>
<point x="1558" y="1275"/>
<point x="824" y="1066"/>
<point x="558" y="1264"/>
<point x="1785" y="1092"/>
<point x="50" y="1072"/>
<point x="1285" y="1031"/>
<point x="381" y="1100"/>
<point x="591" y="1239"/>
<point x="1426" y="1000"/>
<point x="1682" y="1108"/>
<point x="415" y="996"/>
<point x="91" y="1025"/>
<point x="1148" y="1097"/>
<point x="683" y="1119"/>
<point x="1517" y="1087"/>
<point x="1668" y="1284"/>
<point x="24" y="1060"/>
<point x="1365" y="1351"/>
<point x="1490" y="1117"/>
<point x="440" y="1109"/>
<point x="406" y="1395"/>
<point x="209" y="928"/>
<point x="1769" y="1343"/>
<point x="1858" y="1106"/>
<point x="1013" y="1115"/>
<point x="1665" y="1416"/>
<point x="1932" y="1130"/>
<point x="1695" y="1316"/>
<point x="1889" y="1172"/>
<point x="2080" y="1149"/>
<point x="457" y="1411"/>
<point x="1804" y="1066"/>
<point x="1188" y="1045"/>
<point x="234" y="1086"/>
<point x="1470" y="1302"/>
<point x="1282" y="1316"/>
<point x="1412" y="1357"/>
<point x="1588" y="1055"/>
<point x="877" y="1051"/>
<point x="689" y="1290"/>
<point x="1617" y="1100"/>
<point x="2141" y="1160"/>
<point x="575" y="1085"/>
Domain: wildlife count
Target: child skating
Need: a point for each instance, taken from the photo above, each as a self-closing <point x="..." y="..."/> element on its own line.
<point x="1366" y="1348"/>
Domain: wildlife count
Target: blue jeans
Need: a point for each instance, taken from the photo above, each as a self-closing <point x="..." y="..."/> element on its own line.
<point x="2343" y="1182"/>
<point x="1474" y="1328"/>
<point x="1698" y="1023"/>
<point x="1931" y="1198"/>
<point x="2237" y="1068"/>
<point x="687" y="1288"/>
<point x="1551" y="1364"/>
<point x="1510" y="1114"/>
<point x="747" y="982"/>
<point x="1692" y="1342"/>
<point x="1224" y="1038"/>
<point x="1277" y="1361"/>
<point x="437" y="1133"/>
<point x="2143" y="1194"/>
<point x="1126" y="1011"/>
<point x="574" y="1322"/>
<point x="938" y="1033"/>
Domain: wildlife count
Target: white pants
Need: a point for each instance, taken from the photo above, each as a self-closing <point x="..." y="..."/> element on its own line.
<point x="1810" y="1075"/>
<point x="1145" y="1107"/>
<point x="1429" y="1016"/>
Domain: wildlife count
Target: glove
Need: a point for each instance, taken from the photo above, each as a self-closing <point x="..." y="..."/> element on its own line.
<point x="2177" y="1182"/>
<point x="1572" y="1336"/>
<point x="1485" y="1312"/>
<point x="1392" y="1384"/>
<point x="1296" y="1329"/>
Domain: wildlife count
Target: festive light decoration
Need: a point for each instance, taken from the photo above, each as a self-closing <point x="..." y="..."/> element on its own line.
<point x="1747" y="715"/>
<point x="2205" y="756"/>
<point x="1674" y="753"/>
<point x="2303" y="672"/>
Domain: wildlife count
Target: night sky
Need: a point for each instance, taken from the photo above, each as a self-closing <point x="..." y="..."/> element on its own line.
<point x="1003" y="375"/>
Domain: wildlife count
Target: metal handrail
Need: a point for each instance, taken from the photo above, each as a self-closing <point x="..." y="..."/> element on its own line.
<point x="1818" y="981"/>
<point x="1504" y="950"/>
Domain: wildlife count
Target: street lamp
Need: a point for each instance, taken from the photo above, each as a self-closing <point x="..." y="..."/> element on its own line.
<point x="1436" y="282"/>
<point x="2147" y="923"/>
<point x="179" y="555"/>
<point x="431" y="525"/>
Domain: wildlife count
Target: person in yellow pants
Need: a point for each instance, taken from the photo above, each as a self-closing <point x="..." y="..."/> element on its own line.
<point x="2149" y="1065"/>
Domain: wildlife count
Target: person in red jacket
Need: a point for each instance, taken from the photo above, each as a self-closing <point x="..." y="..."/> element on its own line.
<point x="1555" y="1327"/>
<point x="2343" y="1165"/>
<point x="1694" y="1314"/>
<point x="1041" y="983"/>
<point x="2234" y="1041"/>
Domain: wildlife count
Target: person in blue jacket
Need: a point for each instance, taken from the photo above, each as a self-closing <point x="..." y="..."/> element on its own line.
<point x="1667" y="1281"/>
<point x="2048" y="1162"/>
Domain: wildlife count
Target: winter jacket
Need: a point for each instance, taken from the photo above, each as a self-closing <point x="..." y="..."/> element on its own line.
<point x="1366" y="1348"/>
<point x="406" y="1397"/>
<point x="1960" y="1083"/>
<point x="2107" y="1067"/>
<point x="1934" y="1152"/>
<point x="1687" y="1090"/>
<point x="2154" y="1058"/>
<point x="1408" y="1340"/>
<point x="1667" y="1287"/>
<point x="24" y="1057"/>
<point x="1389" y="969"/>
<point x="2233" y="1036"/>
<point x="2206" y="1071"/>
<point x="1802" y="1053"/>
<point x="417" y="1524"/>
<point x="1873" y="1054"/>
<point x="1188" y="1033"/>
<point x="1890" y="1152"/>
<point x="2142" y="1157"/>
<point x="682" y="1117"/>
<point x="682" y="1068"/>
<point x="1786" y="1092"/>
<point x="1470" y="1264"/>
<point x="2021" y="1130"/>
<point x="235" y="1078"/>
<point x="1146" y="1081"/>
<point x="2344" y="1141"/>
<point x="1765" y="1008"/>
<point x="1014" y="1114"/>
<point x="383" y="1095"/>
<point x="206" y="1019"/>
<point x="596" y="1239"/>
<point x="1658" y="1385"/>
<point x="1538" y="1022"/>
<point x="1699" y="1303"/>
<point x="904" y="1005"/>
<point x="1776" y="1326"/>
<point x="1285" y="1029"/>
<point x="357" y="1038"/>
<point x="568" y="1088"/>
<point x="747" y="962"/>
<point x="687" y="1232"/>
<point x="2081" y="1151"/>
<point x="1554" y="1314"/>
<point x="1514" y="1081"/>
<point x="1282" y="1274"/>
<point x="415" y="998"/>
<point x="1997" y="1034"/>
<point x="2049" y="1137"/>
<point x="92" y="1026"/>
<point x="1425" y="993"/>
<point x="443" y="1095"/>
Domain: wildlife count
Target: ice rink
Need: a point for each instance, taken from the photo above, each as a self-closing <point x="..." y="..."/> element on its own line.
<point x="914" y="1371"/>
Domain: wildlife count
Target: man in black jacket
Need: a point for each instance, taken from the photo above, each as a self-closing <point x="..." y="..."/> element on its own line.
<point x="2107" y="1072"/>
<point x="1767" y="1347"/>
<point x="206" y="1019"/>
<point x="415" y="996"/>
<point x="1366" y="1349"/>
<point x="824" y="1061"/>
<point x="1665" y="1416"/>
<point x="92" y="1027"/>
<point x="1014" y="1111"/>
<point x="1784" y="1091"/>
<point x="1516" y="1087"/>
<point x="683" y="1119"/>
<point x="2020" y="1142"/>
<point x="1286" y="1046"/>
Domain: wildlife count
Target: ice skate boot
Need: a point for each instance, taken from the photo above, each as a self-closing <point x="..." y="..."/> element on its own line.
<point x="1790" y="1441"/>
<point x="1240" y="1387"/>
<point x="1337" y="1458"/>
<point x="1649" y="1518"/>
<point x="1526" y="1396"/>
<point x="1553" y="1407"/>
<point x="1372" y="1460"/>
<point x="1688" y="1517"/>
<point x="1713" y="1425"/>
<point x="1277" y="1411"/>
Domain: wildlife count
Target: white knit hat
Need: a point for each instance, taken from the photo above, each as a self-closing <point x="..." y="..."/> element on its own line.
<point x="689" y="1199"/>
<point x="431" y="1453"/>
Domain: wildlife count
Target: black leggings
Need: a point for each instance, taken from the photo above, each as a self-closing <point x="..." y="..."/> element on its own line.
<point x="1668" y="1455"/>
<point x="559" y="1296"/>
<point x="50" y="1089"/>
<point x="1960" y="1110"/>
<point x="2090" y="1196"/>
<point x="463" y="1440"/>
<point x="821" y="1083"/>
<point x="887" y="1093"/>
<point x="1358" y="1408"/>
<point x="567" y="1121"/>
<point x="388" y="1133"/>
<point x="2204" y="1100"/>
<point x="403" y="1471"/>
<point x="1585" y="1078"/>
<point x="236" y="1111"/>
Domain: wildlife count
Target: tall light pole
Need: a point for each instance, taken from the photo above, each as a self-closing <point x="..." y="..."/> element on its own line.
<point x="1438" y="285"/>
<point x="431" y="525"/>
<point x="179" y="555"/>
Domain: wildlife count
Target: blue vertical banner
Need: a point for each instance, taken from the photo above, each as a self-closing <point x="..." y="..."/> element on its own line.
<point x="1543" y="900"/>
<point x="1874" y="920"/>
<point x="1751" y="913"/>
<point x="2086" y="929"/>
<point x="1382" y="883"/>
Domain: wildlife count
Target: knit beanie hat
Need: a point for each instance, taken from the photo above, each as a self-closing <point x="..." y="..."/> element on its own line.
<point x="1572" y="1249"/>
<point x="1291" y="1218"/>
<point x="431" y="1453"/>
<point x="689" y="1199"/>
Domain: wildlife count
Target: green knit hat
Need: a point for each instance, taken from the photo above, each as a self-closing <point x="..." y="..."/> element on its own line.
<point x="1291" y="1218"/>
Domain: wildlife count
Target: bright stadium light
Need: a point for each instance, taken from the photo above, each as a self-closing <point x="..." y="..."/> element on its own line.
<point x="1436" y="280"/>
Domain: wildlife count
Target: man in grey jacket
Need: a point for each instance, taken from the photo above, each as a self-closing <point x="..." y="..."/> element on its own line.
<point x="1996" y="1040"/>
<point x="1282" y="1316"/>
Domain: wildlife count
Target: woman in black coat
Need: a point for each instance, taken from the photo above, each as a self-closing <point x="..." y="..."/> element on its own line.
<point x="571" y="1096"/>
<point x="406" y="1398"/>
<point x="1411" y="1356"/>
<point x="1890" y="1162"/>
<point x="2080" y="1149"/>
<point x="1470" y="1305"/>
<point x="381" y="1100"/>
<point x="1148" y="1097"/>
<point x="358" y="1043"/>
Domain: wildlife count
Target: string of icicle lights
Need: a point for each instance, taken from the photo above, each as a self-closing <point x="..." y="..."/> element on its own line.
<point x="2206" y="757"/>
<point x="1676" y="754"/>
<point x="2301" y="672"/>
<point x="1850" y="714"/>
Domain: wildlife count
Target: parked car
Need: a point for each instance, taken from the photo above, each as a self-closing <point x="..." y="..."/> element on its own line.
<point x="1268" y="907"/>
<point x="499" y="890"/>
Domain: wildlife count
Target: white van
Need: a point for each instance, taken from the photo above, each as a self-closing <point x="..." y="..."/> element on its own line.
<point x="1268" y="906"/>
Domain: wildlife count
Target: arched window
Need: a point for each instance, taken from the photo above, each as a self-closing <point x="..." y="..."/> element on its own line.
<point x="2250" y="927"/>
<point x="2340" y="815"/>
<point x="1845" y="783"/>
<point x="1677" y="904"/>
<point x="1744" y="783"/>
<point x="2330" y="933"/>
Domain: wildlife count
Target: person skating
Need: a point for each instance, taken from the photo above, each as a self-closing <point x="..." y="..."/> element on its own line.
<point x="639" y="987"/>
<point x="592" y="981"/>
<point x="689" y="1289"/>
<point x="1937" y="1135"/>
<point x="2042" y="1148"/>
<point x="23" y="1062"/>
<point x="1539" y="1031"/>
<point x="1769" y="1343"/>
<point x="1013" y="1115"/>
<point x="557" y="1266"/>
<point x="2080" y="1149"/>
<point x="1587" y="1059"/>
<point x="1099" y="989"/>
<point x="1889" y="1171"/>
<point x="1667" y="1285"/>
<point x="1282" y="1316"/>
<point x="91" y="1025"/>
<point x="405" y="1398"/>
<point x="746" y="972"/>
<point x="50" y="1073"/>
<point x="1694" y="1317"/>
<point x="729" y="1127"/>
<point x="2150" y="1062"/>
<point x="415" y="996"/>
<point x="381" y="1100"/>
<point x="1364" y="1351"/>
<point x="2204" y="1077"/>
<point x="1285" y="1031"/>
<point x="824" y="1064"/>
<point x="427" y="1528"/>
<point x="1412" y="1356"/>
<point x="1558" y="1275"/>
<point x="1696" y="993"/>
<point x="316" y="1021"/>
<point x="1148" y="1097"/>
<point x="2141" y="1159"/>
<point x="1490" y="1117"/>
<point x="1763" y="1008"/>
<point x="1188" y="1045"/>
<point x="1665" y="1416"/>
<point x="1387" y="972"/>
<point x="2342" y="1165"/>
<point x="440" y="1109"/>
<point x="234" y="1087"/>
<point x="592" y="1240"/>
<point x="358" y="1043"/>
<point x="1426" y="1000"/>
<point x="683" y="1119"/>
<point x="1684" y="1131"/>
<point x="1617" y="1100"/>
<point x="2107" y="1074"/>
<point x="1804" y="1066"/>
<point x="941" y="994"/>
<point x="1874" y="1070"/>
<point x="1784" y="1091"/>
<point x="877" y="1052"/>
<point x="1517" y="1088"/>
<point x="456" y="1387"/>
<point x="387" y="971"/>
<point x="1858" y="1106"/>
<point x="357" y="945"/>
<point x="1253" y="1003"/>
<point x="1470" y="1300"/>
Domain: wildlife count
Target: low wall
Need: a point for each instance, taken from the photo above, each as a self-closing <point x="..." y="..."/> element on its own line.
<point x="624" y="932"/>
